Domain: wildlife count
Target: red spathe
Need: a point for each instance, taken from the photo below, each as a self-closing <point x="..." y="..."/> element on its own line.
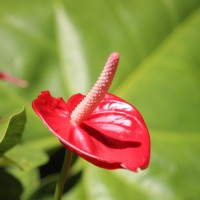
<point x="113" y="136"/>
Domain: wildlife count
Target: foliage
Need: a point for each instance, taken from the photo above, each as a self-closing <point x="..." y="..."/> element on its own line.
<point x="61" y="46"/>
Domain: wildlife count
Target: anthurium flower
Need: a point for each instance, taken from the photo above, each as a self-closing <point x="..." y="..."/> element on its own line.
<point x="100" y="127"/>
<point x="7" y="77"/>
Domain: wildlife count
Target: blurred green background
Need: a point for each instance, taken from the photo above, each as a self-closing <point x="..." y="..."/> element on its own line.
<point x="62" y="46"/>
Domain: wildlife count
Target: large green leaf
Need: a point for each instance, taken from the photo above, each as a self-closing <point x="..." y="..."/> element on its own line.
<point x="159" y="73"/>
<point x="166" y="88"/>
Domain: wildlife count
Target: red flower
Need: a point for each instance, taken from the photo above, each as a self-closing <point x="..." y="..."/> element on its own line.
<point x="112" y="134"/>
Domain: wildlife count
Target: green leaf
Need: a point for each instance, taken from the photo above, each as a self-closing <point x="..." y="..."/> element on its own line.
<point x="175" y="162"/>
<point x="165" y="88"/>
<point x="167" y="83"/>
<point x="27" y="158"/>
<point x="11" y="129"/>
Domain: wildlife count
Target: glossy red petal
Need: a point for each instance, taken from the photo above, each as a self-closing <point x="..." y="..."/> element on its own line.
<point x="93" y="140"/>
<point x="54" y="112"/>
<point x="121" y="128"/>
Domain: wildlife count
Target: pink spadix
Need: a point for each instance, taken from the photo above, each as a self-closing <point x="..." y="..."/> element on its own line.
<point x="97" y="93"/>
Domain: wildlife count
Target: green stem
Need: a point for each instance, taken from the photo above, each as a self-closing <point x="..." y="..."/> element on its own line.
<point x="63" y="175"/>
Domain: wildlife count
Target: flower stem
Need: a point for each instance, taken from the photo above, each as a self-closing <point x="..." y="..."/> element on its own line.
<point x="63" y="175"/>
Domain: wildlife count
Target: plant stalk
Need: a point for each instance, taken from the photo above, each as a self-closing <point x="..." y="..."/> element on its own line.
<point x="63" y="175"/>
